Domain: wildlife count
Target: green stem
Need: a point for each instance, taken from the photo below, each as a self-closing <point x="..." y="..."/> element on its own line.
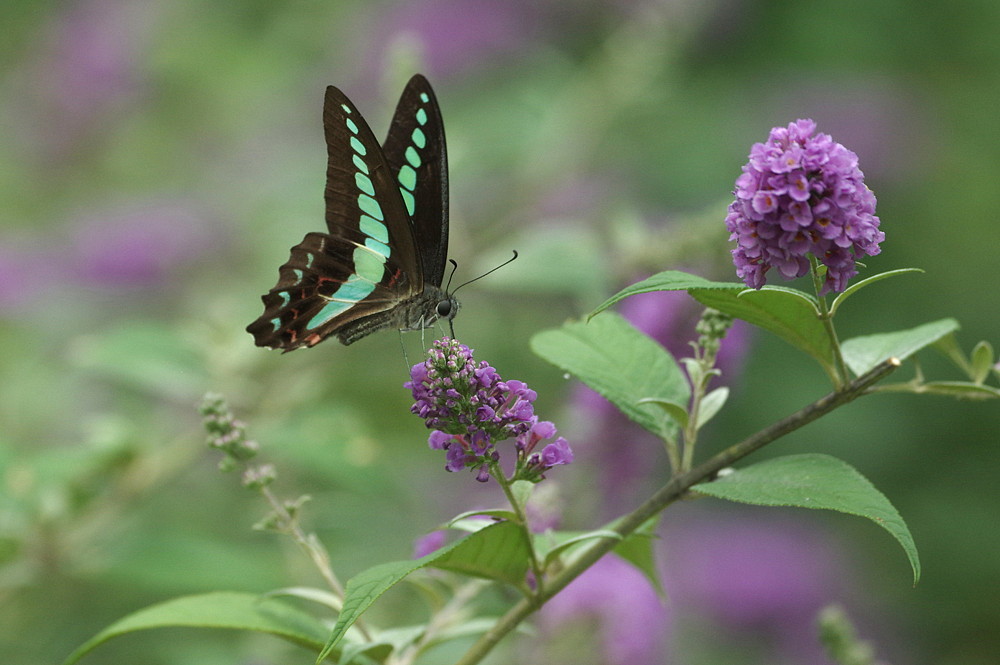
<point x="522" y="519"/>
<point x="666" y="495"/>
<point x="824" y="315"/>
<point x="673" y="454"/>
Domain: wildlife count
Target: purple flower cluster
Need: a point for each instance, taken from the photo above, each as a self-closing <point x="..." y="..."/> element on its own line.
<point x="802" y="193"/>
<point x="470" y="408"/>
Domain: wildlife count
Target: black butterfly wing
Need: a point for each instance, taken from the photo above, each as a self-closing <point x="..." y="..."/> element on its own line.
<point x="418" y="158"/>
<point x="367" y="262"/>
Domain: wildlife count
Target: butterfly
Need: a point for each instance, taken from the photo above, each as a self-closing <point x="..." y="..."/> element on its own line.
<point x="381" y="262"/>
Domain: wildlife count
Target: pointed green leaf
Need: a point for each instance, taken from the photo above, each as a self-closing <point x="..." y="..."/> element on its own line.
<point x="241" y="611"/>
<point x="669" y="280"/>
<point x="857" y="286"/>
<point x="814" y="481"/>
<point x="552" y="544"/>
<point x="499" y="551"/>
<point x="711" y="404"/>
<point x="956" y="389"/>
<point x="788" y="313"/>
<point x="863" y="353"/>
<point x="619" y="362"/>
<point x="678" y="412"/>
<point x="949" y="348"/>
<point x="521" y="491"/>
<point x="638" y="549"/>
<point x="981" y="360"/>
<point x="472" y="520"/>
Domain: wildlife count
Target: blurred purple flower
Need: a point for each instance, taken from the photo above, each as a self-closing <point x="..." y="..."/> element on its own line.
<point x="632" y="622"/>
<point x="873" y="114"/>
<point x="431" y="542"/>
<point x="23" y="273"/>
<point x="85" y="68"/>
<point x="749" y="571"/>
<point x="137" y="246"/>
<point x="458" y="35"/>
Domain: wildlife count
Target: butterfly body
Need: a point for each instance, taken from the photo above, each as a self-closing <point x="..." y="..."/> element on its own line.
<point x="381" y="262"/>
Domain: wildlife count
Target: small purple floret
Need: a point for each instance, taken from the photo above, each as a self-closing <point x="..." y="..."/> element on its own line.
<point x="802" y="193"/>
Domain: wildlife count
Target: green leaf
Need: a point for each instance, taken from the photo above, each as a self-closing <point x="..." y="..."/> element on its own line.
<point x="981" y="360"/>
<point x="499" y="552"/>
<point x="711" y="404"/>
<point x="678" y="412"/>
<point x="241" y="611"/>
<point x="552" y="544"/>
<point x="619" y="362"/>
<point x="949" y="348"/>
<point x="814" y="481"/>
<point x="857" y="286"/>
<point x="956" y="389"/>
<point x="670" y="280"/>
<point x="638" y="550"/>
<point x="863" y="353"/>
<point x="521" y="491"/>
<point x="471" y="520"/>
<point x="788" y="313"/>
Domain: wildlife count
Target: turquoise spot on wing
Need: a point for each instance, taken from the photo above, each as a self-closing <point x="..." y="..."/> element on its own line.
<point x="351" y="126"/>
<point x="276" y="323"/>
<point x="329" y="311"/>
<point x="408" y="200"/>
<point x="298" y="274"/>
<point x="418" y="137"/>
<point x="347" y="109"/>
<point x="360" y="163"/>
<point x="358" y="146"/>
<point x="380" y="247"/>
<point x="309" y="260"/>
<point x="422" y="116"/>
<point x="412" y="157"/>
<point x="373" y="228"/>
<point x="356" y="288"/>
<point x="364" y="184"/>
<point x="408" y="177"/>
<point x="370" y="206"/>
<point x="424" y="98"/>
<point x="368" y="265"/>
<point x="286" y="297"/>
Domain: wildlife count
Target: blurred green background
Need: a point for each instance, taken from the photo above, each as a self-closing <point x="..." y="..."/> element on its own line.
<point x="159" y="159"/>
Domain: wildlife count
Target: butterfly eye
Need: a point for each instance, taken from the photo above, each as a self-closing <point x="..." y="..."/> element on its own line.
<point x="444" y="308"/>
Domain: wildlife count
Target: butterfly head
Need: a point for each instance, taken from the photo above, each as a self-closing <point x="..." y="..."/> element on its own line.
<point x="446" y="309"/>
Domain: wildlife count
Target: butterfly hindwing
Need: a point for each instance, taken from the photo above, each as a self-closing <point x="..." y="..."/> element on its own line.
<point x="418" y="157"/>
<point x="317" y="294"/>
<point x="369" y="270"/>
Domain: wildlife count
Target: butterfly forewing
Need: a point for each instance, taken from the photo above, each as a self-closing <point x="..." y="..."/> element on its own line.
<point x="417" y="155"/>
<point x="369" y="271"/>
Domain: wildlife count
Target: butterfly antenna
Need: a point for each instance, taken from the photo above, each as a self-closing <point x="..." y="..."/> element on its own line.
<point x="492" y="270"/>
<point x="454" y="267"/>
